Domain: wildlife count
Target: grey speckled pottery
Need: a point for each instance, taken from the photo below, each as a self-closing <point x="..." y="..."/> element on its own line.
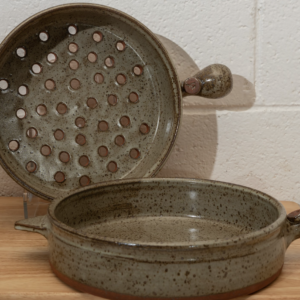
<point x="166" y="238"/>
<point x="88" y="94"/>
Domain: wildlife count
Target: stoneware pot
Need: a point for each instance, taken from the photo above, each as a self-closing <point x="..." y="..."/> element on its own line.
<point x="166" y="238"/>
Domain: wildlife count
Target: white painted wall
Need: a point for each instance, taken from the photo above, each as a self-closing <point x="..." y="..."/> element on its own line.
<point x="251" y="137"/>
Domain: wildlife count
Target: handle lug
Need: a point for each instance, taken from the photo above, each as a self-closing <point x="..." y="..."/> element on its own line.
<point x="294" y="217"/>
<point x="38" y="224"/>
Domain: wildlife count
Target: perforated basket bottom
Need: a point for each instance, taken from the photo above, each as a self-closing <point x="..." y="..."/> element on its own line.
<point x="84" y="104"/>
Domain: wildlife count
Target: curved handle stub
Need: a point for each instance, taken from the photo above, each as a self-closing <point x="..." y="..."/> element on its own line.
<point x="214" y="81"/>
<point x="294" y="217"/>
<point x="293" y="226"/>
<point x="38" y="224"/>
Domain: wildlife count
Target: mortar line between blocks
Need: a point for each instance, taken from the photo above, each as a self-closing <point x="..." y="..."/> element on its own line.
<point x="255" y="17"/>
<point x="239" y="109"/>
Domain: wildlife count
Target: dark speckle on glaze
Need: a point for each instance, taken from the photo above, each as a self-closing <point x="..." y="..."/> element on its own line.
<point x="163" y="229"/>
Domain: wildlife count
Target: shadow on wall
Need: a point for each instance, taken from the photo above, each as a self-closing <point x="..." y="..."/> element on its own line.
<point x="195" y="150"/>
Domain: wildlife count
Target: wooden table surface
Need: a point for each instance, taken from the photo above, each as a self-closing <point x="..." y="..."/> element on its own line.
<point x="25" y="272"/>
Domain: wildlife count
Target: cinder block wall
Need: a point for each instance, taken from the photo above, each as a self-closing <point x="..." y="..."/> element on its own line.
<point x="250" y="137"/>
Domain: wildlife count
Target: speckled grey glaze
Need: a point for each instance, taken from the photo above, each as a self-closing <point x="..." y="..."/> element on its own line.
<point x="191" y="238"/>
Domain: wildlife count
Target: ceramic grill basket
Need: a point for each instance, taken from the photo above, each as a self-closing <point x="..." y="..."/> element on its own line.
<point x="89" y="95"/>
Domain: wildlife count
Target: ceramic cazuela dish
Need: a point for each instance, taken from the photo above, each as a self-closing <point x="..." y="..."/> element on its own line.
<point x="166" y="238"/>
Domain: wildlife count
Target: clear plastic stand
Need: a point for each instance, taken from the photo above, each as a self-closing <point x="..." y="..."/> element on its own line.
<point x="33" y="205"/>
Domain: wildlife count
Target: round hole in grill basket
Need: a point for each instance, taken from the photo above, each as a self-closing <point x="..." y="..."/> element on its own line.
<point x="59" y="177"/>
<point x="91" y="103"/>
<point x="59" y="134"/>
<point x="109" y="62"/>
<point x="120" y="45"/>
<point x="41" y="109"/>
<point x="21" y="52"/>
<point x="112" y="100"/>
<point x="51" y="58"/>
<point x="120" y="140"/>
<point x="138" y="70"/>
<point x="97" y="36"/>
<point x="31" y="132"/>
<point x="80" y="139"/>
<point x="144" y="128"/>
<point x="31" y="166"/>
<point x="112" y="167"/>
<point x="21" y="113"/>
<point x="134" y="153"/>
<point x="84" y="180"/>
<point x="103" y="151"/>
<point x="98" y="78"/>
<point x="61" y="108"/>
<point x="84" y="161"/>
<point x="72" y="29"/>
<point x="103" y="126"/>
<point x="80" y="122"/>
<point x="75" y="84"/>
<point x="74" y="64"/>
<point x="125" y="121"/>
<point x="133" y="97"/>
<point x="13" y="145"/>
<point x="50" y="85"/>
<point x="36" y="69"/>
<point x="3" y="84"/>
<point x="121" y="79"/>
<point x="44" y="36"/>
<point x="64" y="156"/>
<point x="23" y="90"/>
<point x="45" y="150"/>
<point x="92" y="57"/>
<point x="73" y="47"/>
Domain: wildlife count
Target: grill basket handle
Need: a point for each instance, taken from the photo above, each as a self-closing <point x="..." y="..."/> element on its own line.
<point x="214" y="81"/>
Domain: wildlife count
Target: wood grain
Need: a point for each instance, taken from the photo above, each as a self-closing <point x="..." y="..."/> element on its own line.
<point x="25" y="272"/>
